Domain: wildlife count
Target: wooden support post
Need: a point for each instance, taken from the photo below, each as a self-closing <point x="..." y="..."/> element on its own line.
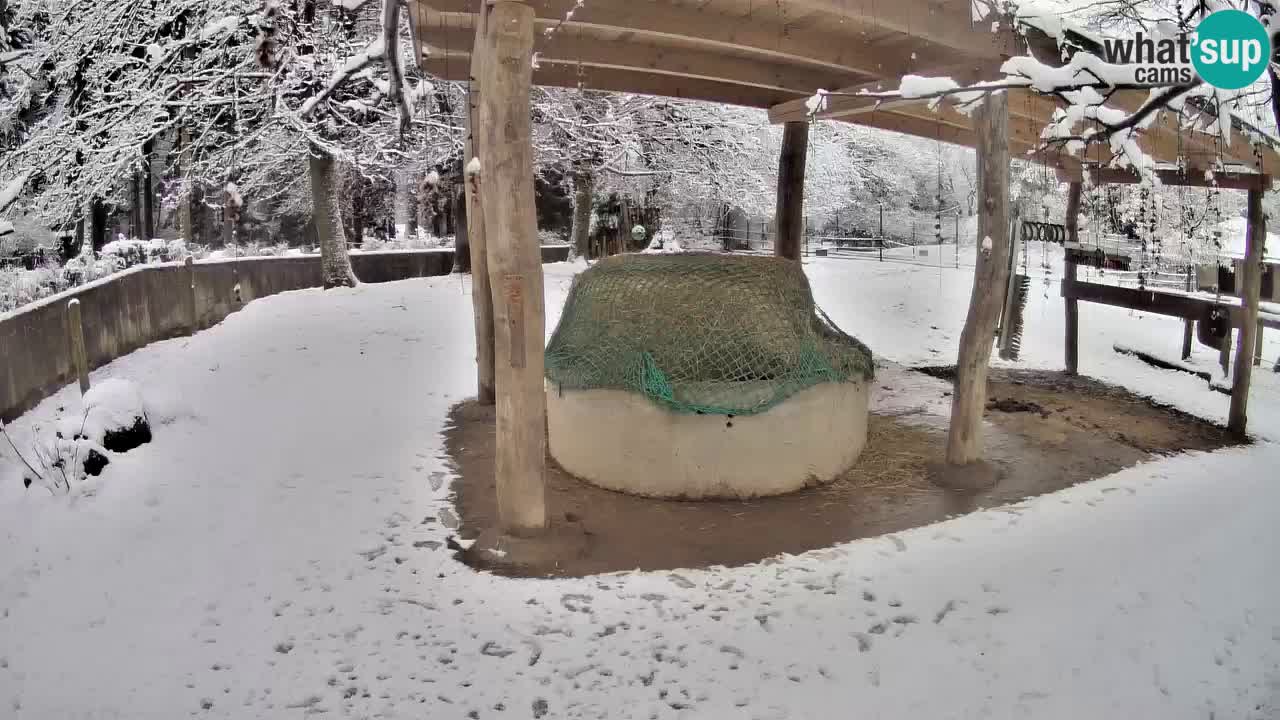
<point x="1188" y="325"/>
<point x="75" y="333"/>
<point x="481" y="290"/>
<point x="991" y="123"/>
<point x="789" y="211"/>
<point x="880" y="239"/>
<point x="1250" y="289"/>
<point x="515" y="265"/>
<point x="1224" y="354"/>
<point x="1072" y="223"/>
<point x="193" y="317"/>
<point x="1257" y="347"/>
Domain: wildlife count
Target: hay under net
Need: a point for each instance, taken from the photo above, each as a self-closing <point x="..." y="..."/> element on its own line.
<point x="700" y="333"/>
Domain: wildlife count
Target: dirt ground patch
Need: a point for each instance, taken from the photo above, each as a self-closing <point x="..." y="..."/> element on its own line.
<point x="1048" y="431"/>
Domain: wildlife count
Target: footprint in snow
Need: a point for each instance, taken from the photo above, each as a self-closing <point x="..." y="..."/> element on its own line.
<point x="576" y="603"/>
<point x="449" y="519"/>
<point x="681" y="581"/>
<point x="372" y="553"/>
<point x="946" y="610"/>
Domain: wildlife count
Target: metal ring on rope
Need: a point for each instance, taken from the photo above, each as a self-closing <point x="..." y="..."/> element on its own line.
<point x="1043" y="232"/>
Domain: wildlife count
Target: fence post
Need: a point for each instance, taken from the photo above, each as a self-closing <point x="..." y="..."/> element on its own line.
<point x="75" y="332"/>
<point x="193" y="318"/>
<point x="957" y="251"/>
<point x="1188" y="326"/>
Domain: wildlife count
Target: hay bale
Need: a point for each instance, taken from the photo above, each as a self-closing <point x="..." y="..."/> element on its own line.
<point x="700" y="332"/>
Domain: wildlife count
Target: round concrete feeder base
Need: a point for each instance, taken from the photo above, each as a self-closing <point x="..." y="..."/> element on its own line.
<point x="623" y="441"/>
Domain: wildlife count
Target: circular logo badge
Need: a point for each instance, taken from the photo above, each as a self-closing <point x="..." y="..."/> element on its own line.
<point x="1231" y="49"/>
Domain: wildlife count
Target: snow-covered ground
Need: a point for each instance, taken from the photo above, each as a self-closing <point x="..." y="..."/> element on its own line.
<point x="277" y="551"/>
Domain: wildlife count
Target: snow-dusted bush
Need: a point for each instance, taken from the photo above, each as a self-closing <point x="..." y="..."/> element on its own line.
<point x="113" y="420"/>
<point x="140" y="252"/>
<point x="86" y="267"/>
<point x="552" y="237"/>
<point x="20" y="287"/>
<point x="421" y="240"/>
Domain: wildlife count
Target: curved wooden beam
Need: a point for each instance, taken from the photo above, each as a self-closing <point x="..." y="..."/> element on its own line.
<point x="586" y="46"/>
<point x="773" y="31"/>
<point x="639" y="82"/>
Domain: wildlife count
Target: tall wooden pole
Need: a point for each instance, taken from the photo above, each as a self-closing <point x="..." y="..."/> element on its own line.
<point x="1188" y="325"/>
<point x="1250" y="289"/>
<point x="515" y="265"/>
<point x="1072" y="223"/>
<point x="991" y="124"/>
<point x="789" y="211"/>
<point x="75" y="335"/>
<point x="481" y="290"/>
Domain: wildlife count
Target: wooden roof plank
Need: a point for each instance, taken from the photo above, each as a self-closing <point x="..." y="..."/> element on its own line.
<point x="944" y="22"/>
<point x="759" y="28"/>
<point x="452" y="37"/>
<point x="638" y="82"/>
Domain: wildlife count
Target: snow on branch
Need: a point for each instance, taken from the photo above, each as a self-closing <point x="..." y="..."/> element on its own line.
<point x="1071" y="65"/>
<point x="221" y="26"/>
<point x="376" y="50"/>
<point x="391" y="43"/>
<point x="9" y="193"/>
<point x="12" y="56"/>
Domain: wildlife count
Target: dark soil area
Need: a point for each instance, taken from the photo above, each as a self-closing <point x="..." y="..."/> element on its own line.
<point x="1049" y="431"/>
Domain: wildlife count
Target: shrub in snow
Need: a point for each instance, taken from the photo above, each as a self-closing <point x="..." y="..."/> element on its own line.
<point x="19" y="287"/>
<point x="419" y="240"/>
<point x="113" y="421"/>
<point x="141" y="252"/>
<point x="115" y="416"/>
<point x="85" y="267"/>
<point x="552" y="237"/>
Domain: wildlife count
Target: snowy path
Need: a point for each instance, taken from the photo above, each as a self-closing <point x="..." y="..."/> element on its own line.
<point x="277" y="552"/>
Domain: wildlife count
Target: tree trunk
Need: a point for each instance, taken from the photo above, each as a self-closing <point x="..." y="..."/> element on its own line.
<point x="357" y="213"/>
<point x="228" y="221"/>
<point x="477" y="256"/>
<point x="334" y="263"/>
<point x="97" y="224"/>
<point x="1250" y="290"/>
<point x="403" y="207"/>
<point x="789" y="211"/>
<point x="148" y="194"/>
<point x="460" y="244"/>
<point x="583" y="184"/>
<point x="515" y="266"/>
<point x="79" y="246"/>
<point x="186" y="218"/>
<point x="991" y="124"/>
<point x="462" y="239"/>
<point x="135" y="205"/>
<point x="422" y="211"/>
<point x="1072" y="222"/>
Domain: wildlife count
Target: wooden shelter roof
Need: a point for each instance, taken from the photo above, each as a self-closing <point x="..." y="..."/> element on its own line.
<point x="776" y="55"/>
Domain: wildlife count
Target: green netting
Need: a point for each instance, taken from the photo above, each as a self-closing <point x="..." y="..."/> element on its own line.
<point x="700" y="332"/>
